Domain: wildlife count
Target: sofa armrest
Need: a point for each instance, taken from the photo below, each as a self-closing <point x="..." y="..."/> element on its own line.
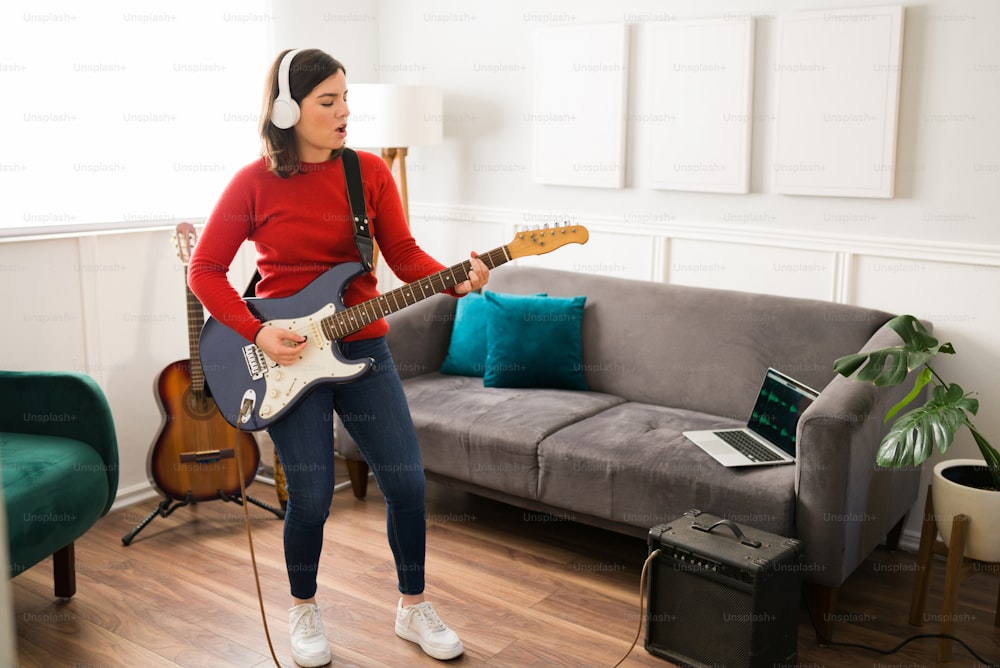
<point x="846" y="504"/>
<point x="61" y="403"/>
<point x="419" y="335"/>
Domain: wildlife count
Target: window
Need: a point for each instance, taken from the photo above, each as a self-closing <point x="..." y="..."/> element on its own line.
<point x="123" y="113"/>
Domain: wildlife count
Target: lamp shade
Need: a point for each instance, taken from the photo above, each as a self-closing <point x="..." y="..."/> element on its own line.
<point x="391" y="115"/>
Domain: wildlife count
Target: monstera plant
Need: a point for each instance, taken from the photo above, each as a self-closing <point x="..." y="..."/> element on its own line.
<point x="915" y="435"/>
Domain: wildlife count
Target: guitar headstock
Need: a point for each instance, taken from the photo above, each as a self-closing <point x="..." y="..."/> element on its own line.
<point x="185" y="237"/>
<point x="546" y="239"/>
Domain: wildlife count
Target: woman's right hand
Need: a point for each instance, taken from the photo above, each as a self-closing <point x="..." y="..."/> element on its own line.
<point x="283" y="346"/>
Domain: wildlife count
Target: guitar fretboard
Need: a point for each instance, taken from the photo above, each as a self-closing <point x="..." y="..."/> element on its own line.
<point x="196" y="319"/>
<point x="354" y="319"/>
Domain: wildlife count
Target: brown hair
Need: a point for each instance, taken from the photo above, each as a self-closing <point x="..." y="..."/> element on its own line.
<point x="310" y="67"/>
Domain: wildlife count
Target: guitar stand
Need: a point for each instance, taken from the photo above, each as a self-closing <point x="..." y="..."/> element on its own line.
<point x="257" y="502"/>
<point x="165" y="509"/>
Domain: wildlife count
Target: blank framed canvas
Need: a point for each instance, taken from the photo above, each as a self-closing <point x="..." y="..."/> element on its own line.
<point x="701" y="88"/>
<point x="837" y="98"/>
<point x="578" y="115"/>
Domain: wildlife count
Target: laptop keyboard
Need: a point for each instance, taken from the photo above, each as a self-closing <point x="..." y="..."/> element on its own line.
<point x="748" y="446"/>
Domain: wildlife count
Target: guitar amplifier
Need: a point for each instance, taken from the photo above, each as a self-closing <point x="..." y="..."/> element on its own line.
<point x="722" y="594"/>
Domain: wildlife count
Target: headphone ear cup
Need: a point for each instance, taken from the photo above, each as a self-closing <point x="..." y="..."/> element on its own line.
<point x="285" y="110"/>
<point x="284" y="113"/>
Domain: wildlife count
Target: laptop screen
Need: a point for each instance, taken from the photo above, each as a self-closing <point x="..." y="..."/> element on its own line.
<point x="777" y="409"/>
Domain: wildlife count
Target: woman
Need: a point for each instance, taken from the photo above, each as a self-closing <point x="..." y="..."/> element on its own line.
<point x="293" y="204"/>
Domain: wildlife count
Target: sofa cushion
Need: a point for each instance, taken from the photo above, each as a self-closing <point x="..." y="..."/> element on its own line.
<point x="54" y="489"/>
<point x="490" y="436"/>
<point x="614" y="465"/>
<point x="534" y="342"/>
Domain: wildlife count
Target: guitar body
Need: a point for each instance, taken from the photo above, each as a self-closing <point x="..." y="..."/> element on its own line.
<point x="196" y="449"/>
<point x="238" y="370"/>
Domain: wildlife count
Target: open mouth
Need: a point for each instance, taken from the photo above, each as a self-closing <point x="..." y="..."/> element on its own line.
<point x="342" y="130"/>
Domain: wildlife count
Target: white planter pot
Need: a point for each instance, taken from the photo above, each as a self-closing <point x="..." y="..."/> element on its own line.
<point x="981" y="506"/>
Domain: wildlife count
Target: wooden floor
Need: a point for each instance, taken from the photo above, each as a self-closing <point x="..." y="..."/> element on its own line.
<point x="521" y="589"/>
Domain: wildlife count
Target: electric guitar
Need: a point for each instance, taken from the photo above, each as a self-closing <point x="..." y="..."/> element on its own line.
<point x="194" y="456"/>
<point x="253" y="392"/>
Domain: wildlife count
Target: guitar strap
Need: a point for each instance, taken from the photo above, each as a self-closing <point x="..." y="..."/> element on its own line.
<point x="359" y="212"/>
<point x="359" y="217"/>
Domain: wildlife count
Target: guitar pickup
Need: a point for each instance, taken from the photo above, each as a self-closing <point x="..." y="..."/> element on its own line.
<point x="256" y="362"/>
<point x="207" y="456"/>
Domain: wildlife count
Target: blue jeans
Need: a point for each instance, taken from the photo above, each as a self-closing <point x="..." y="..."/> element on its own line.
<point x="374" y="411"/>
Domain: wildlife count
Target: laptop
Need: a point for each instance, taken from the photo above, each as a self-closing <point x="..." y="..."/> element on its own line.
<point x="769" y="437"/>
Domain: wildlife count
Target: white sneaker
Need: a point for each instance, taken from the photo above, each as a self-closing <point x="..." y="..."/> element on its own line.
<point x="310" y="647"/>
<point x="420" y="624"/>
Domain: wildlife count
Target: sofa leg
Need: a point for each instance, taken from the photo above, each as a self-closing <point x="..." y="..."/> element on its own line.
<point x="823" y="608"/>
<point x="64" y="571"/>
<point x="358" y="471"/>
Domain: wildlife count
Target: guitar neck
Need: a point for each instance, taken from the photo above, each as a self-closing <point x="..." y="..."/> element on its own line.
<point x="196" y="319"/>
<point x="354" y="319"/>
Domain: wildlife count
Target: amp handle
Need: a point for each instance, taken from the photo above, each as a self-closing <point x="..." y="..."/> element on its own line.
<point x="732" y="526"/>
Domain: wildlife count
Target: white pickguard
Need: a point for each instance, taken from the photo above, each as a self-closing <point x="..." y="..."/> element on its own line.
<point x="317" y="361"/>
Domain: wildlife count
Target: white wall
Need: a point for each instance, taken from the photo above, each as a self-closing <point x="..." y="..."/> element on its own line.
<point x="113" y="304"/>
<point x="347" y="29"/>
<point x="949" y="143"/>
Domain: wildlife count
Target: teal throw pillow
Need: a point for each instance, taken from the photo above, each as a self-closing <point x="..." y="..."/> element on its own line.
<point x="534" y="342"/>
<point x="467" y="348"/>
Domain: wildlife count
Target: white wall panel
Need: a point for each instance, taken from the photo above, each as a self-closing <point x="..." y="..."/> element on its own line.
<point x="143" y="327"/>
<point x="700" y="116"/>
<point x="578" y="114"/>
<point x="838" y="75"/>
<point x="43" y="315"/>
<point x="790" y="272"/>
<point x="606" y="253"/>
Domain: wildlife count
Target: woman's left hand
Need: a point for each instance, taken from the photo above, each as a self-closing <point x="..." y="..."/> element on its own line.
<point x="479" y="276"/>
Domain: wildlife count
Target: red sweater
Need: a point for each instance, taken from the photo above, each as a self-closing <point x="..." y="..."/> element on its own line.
<point x="301" y="226"/>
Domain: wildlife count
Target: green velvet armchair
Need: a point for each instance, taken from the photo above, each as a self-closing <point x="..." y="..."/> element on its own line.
<point x="59" y="461"/>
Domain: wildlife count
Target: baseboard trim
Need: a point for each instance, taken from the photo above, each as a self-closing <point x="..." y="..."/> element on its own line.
<point x="909" y="541"/>
<point x="133" y="494"/>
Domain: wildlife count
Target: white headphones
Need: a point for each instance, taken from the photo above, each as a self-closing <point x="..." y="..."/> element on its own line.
<point x="285" y="110"/>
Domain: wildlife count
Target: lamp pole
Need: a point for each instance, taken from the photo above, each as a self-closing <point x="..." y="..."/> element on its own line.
<point x="390" y="155"/>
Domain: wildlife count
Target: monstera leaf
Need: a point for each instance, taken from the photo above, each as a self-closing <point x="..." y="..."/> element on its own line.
<point x="914" y="436"/>
<point x="890" y="366"/>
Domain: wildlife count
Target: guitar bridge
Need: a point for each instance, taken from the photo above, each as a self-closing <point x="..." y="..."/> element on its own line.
<point x="207" y="456"/>
<point x="256" y="363"/>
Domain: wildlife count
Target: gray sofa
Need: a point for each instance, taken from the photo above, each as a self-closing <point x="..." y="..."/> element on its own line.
<point x="660" y="359"/>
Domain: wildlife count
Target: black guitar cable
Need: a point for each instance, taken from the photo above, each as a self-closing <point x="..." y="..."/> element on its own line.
<point x="901" y="645"/>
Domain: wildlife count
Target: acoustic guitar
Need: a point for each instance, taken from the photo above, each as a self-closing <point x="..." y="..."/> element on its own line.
<point x="253" y="391"/>
<point x="194" y="456"/>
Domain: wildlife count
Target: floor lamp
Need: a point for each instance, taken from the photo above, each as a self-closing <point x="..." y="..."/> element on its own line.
<point x="392" y="118"/>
